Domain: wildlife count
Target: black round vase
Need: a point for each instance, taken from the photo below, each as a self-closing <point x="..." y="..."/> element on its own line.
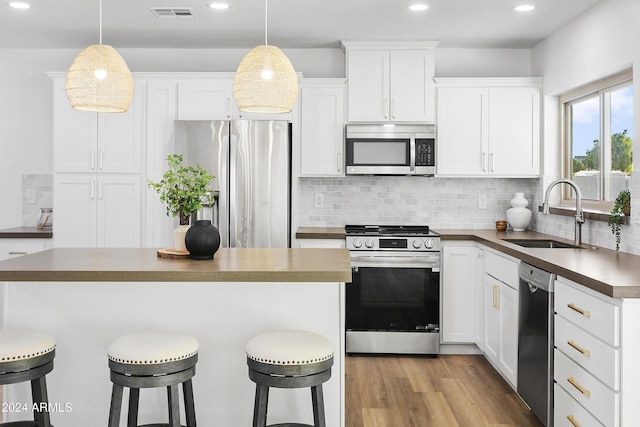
<point x="202" y="240"/>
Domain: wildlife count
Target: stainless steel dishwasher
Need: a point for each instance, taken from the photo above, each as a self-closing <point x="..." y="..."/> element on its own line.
<point x="535" y="341"/>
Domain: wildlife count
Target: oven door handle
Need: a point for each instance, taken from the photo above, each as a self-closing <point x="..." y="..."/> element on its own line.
<point x="395" y="261"/>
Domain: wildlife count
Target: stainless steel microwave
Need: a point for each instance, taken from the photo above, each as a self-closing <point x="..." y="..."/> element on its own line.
<point x="377" y="149"/>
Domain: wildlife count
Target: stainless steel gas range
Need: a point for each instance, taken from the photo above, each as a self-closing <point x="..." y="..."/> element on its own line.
<point x="393" y="301"/>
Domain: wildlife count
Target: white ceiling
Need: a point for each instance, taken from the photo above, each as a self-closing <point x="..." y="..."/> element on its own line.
<point x="292" y="23"/>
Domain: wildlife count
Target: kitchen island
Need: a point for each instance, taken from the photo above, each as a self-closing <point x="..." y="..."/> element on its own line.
<point x="85" y="298"/>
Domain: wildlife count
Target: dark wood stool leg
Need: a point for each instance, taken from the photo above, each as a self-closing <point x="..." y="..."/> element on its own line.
<point x="134" y="404"/>
<point x="173" y="394"/>
<point x="116" y="406"/>
<point x="189" y="403"/>
<point x="41" y="402"/>
<point x="260" y="407"/>
<point x="317" y="399"/>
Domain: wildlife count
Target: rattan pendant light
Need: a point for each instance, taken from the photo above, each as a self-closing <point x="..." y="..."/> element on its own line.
<point x="99" y="79"/>
<point x="265" y="81"/>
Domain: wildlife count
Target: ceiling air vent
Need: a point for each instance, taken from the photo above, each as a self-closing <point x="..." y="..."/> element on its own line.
<point x="173" y="12"/>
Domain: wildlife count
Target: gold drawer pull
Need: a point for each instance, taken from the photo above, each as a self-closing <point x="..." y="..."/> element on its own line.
<point x="580" y="349"/>
<point x="579" y="387"/>
<point x="585" y="313"/>
<point x="573" y="420"/>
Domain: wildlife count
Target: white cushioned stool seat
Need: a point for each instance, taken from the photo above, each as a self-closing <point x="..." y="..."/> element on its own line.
<point x="18" y="345"/>
<point x="148" y="348"/>
<point x="28" y="356"/>
<point x="148" y="360"/>
<point x="291" y="347"/>
<point x="289" y="359"/>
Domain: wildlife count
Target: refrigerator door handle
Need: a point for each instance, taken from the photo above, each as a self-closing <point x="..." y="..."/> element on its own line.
<point x="233" y="189"/>
<point x="222" y="141"/>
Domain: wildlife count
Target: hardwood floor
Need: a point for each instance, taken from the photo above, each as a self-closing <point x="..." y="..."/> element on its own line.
<point x="450" y="390"/>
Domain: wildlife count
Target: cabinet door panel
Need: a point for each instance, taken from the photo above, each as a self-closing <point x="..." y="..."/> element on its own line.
<point x="322" y="131"/>
<point x="509" y="332"/>
<point x="75" y="211"/>
<point x="514" y="140"/>
<point x="491" y="318"/>
<point x="368" y="83"/>
<point x="462" y="131"/>
<point x="74" y="134"/>
<point x="458" y="289"/>
<point x="411" y="87"/>
<point x="119" y="213"/>
<point x="205" y="101"/>
<point x="120" y="141"/>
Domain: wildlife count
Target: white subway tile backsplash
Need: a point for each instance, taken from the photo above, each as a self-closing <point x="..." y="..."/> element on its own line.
<point x="43" y="186"/>
<point x="445" y="203"/>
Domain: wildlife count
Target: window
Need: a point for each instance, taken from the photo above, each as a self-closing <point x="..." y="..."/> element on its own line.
<point x="598" y="139"/>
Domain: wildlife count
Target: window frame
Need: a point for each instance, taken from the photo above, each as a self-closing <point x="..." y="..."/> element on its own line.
<point x="594" y="89"/>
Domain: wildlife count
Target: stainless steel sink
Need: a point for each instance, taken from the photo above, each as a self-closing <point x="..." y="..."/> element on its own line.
<point x="542" y="243"/>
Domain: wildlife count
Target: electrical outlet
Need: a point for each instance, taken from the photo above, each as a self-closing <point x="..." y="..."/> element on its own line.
<point x="31" y="195"/>
<point x="482" y="201"/>
<point x="319" y="200"/>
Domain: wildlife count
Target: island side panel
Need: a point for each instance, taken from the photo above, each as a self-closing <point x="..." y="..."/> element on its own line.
<point x="85" y="317"/>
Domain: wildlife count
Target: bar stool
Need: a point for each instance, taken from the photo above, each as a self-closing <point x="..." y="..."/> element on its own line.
<point x="28" y="356"/>
<point x="289" y="359"/>
<point x="148" y="360"/>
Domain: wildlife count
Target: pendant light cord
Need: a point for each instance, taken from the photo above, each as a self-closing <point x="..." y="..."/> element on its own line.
<point x="100" y="21"/>
<point x="265" y="21"/>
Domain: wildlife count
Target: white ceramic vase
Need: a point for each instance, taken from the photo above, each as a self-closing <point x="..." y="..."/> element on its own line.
<point x="178" y="238"/>
<point x="519" y="216"/>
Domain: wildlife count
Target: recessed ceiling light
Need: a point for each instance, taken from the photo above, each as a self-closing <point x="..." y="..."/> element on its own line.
<point x="19" y="5"/>
<point x="219" y="6"/>
<point x="524" y="8"/>
<point x="418" y="7"/>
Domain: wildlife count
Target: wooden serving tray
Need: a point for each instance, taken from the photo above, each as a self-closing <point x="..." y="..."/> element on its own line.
<point x="172" y="253"/>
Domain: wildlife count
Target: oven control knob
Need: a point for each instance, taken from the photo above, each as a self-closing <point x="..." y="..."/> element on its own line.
<point x="429" y="244"/>
<point x="368" y="243"/>
<point x="417" y="244"/>
<point x="357" y="243"/>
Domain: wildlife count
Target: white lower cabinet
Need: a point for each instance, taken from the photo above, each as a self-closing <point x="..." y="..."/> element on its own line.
<point x="321" y="243"/>
<point x="501" y="310"/>
<point x="97" y="211"/>
<point x="462" y="269"/>
<point x="588" y="356"/>
<point x="11" y="248"/>
<point x="569" y="413"/>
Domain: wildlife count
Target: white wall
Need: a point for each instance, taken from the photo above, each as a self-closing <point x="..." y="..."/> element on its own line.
<point x="601" y="42"/>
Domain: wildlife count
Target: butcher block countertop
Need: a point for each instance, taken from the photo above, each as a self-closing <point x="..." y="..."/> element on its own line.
<point x="143" y="265"/>
<point x="26" y="233"/>
<point x="612" y="273"/>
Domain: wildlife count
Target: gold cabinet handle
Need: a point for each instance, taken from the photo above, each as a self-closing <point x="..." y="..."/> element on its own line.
<point x="580" y="349"/>
<point x="585" y="313"/>
<point x="495" y="292"/>
<point x="573" y="421"/>
<point x="573" y="382"/>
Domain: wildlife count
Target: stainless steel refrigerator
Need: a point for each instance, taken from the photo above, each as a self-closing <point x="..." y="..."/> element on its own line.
<point x="251" y="162"/>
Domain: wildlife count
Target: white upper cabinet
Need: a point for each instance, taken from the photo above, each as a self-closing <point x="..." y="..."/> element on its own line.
<point x="322" y="127"/>
<point x="96" y="142"/>
<point x="205" y="100"/>
<point x="210" y="97"/>
<point x="489" y="127"/>
<point x="390" y="81"/>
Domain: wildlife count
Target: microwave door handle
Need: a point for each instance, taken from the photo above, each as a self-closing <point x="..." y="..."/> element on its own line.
<point x="412" y="154"/>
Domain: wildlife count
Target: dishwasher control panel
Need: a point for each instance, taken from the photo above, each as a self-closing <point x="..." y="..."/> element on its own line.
<point x="536" y="277"/>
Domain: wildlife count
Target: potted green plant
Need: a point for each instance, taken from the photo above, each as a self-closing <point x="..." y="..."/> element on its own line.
<point x="621" y="207"/>
<point x="184" y="189"/>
